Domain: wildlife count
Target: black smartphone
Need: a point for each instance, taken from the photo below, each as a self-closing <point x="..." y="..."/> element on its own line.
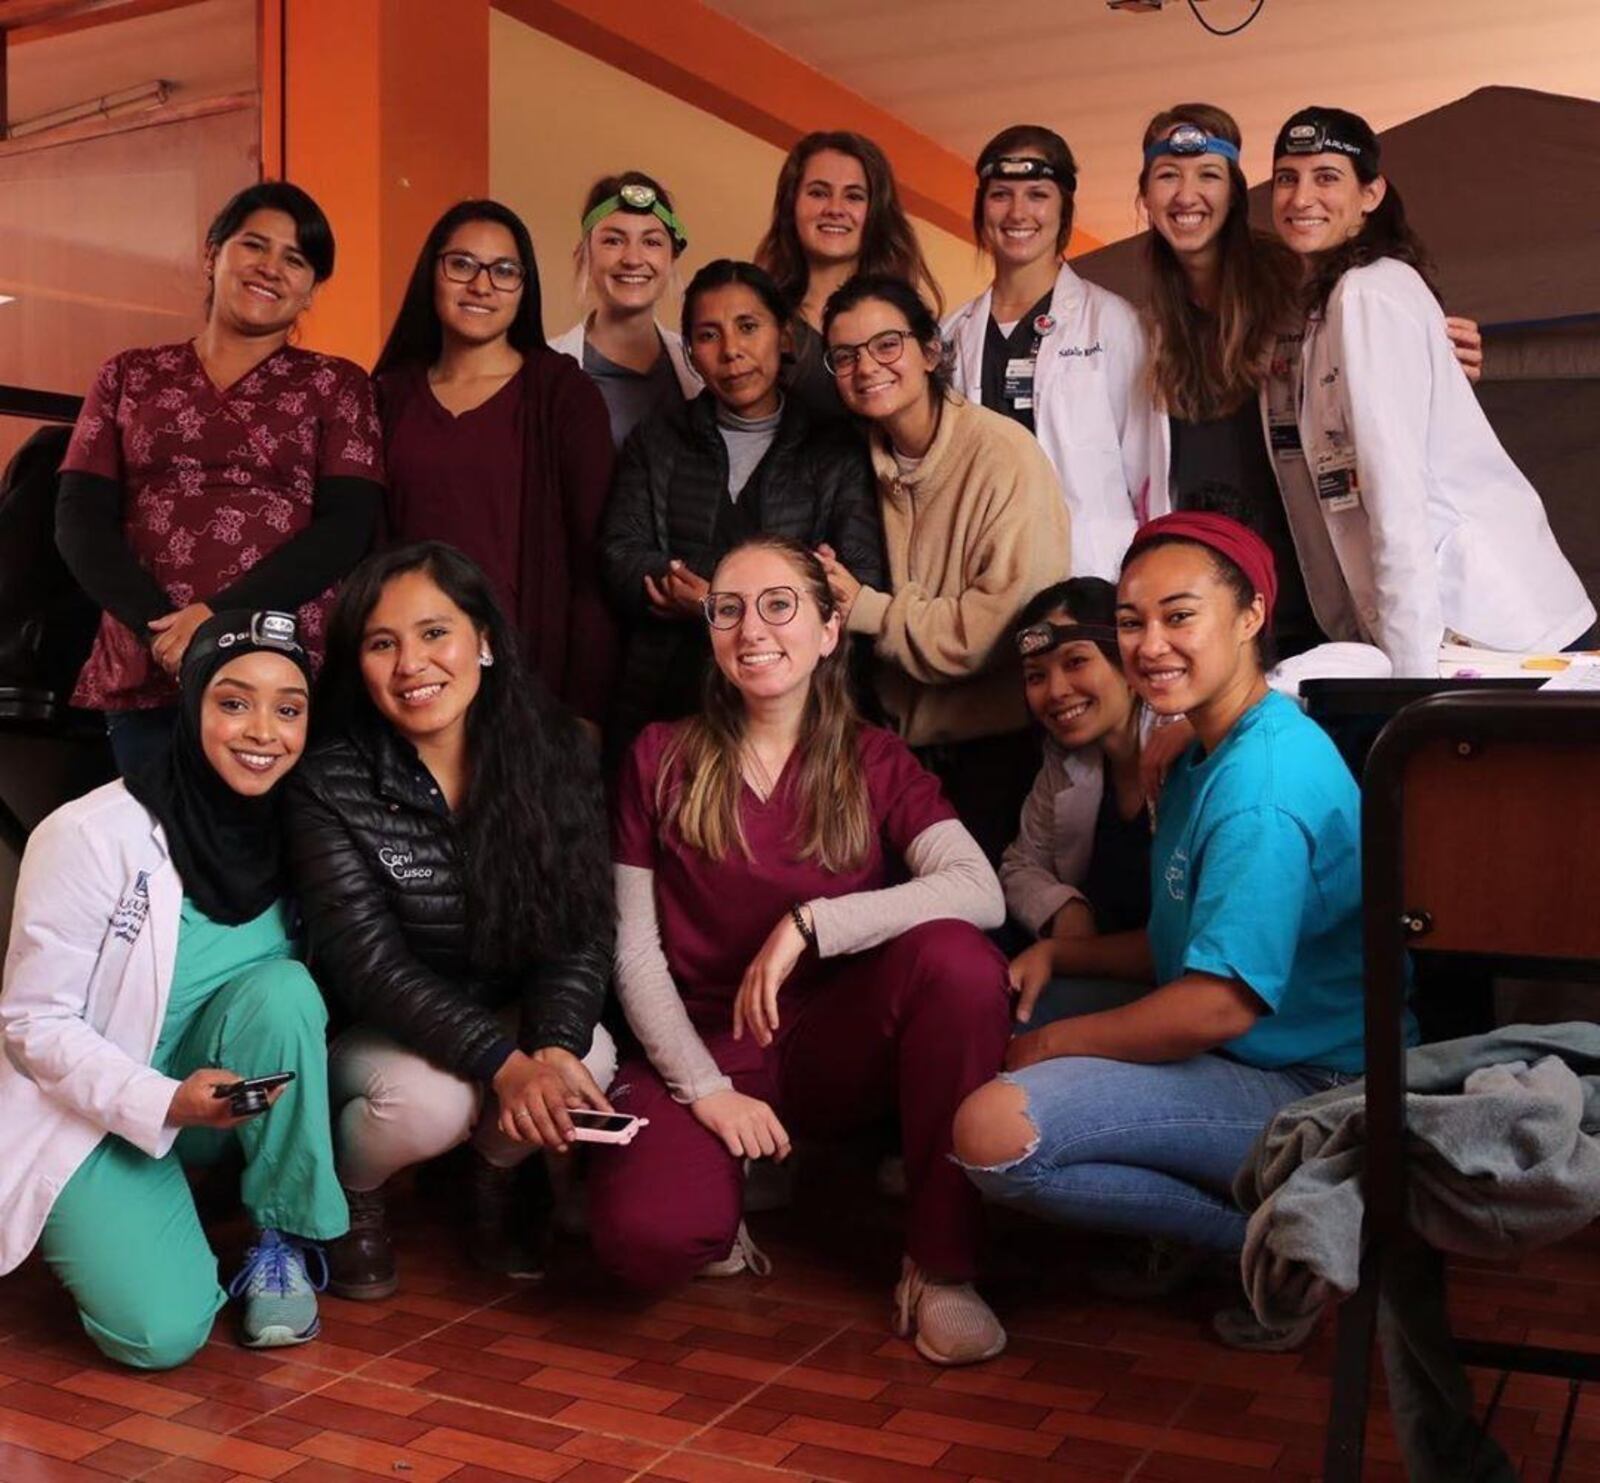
<point x="248" y="1097"/>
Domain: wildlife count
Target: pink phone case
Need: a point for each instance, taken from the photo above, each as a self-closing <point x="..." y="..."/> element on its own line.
<point x="582" y="1134"/>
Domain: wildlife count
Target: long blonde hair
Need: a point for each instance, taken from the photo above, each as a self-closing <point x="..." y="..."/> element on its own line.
<point x="1205" y="366"/>
<point x="698" y="788"/>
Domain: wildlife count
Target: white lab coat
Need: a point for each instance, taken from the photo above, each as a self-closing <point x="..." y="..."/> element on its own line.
<point x="94" y="938"/>
<point x="1091" y="409"/>
<point x="571" y="343"/>
<point x="1441" y="535"/>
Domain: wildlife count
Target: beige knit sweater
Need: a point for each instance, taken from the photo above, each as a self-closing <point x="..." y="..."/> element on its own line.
<point x="972" y="533"/>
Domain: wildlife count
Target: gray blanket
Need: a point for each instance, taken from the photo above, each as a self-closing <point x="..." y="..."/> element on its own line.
<point x="1503" y="1140"/>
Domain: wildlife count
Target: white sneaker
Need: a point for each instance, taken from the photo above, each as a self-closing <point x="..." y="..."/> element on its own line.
<point x="746" y="1256"/>
<point x="948" y="1322"/>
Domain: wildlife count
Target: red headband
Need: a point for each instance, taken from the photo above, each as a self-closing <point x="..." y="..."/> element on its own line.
<point x="1219" y="533"/>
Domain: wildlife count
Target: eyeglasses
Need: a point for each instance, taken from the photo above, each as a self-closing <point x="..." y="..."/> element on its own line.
<point x="775" y="605"/>
<point x="505" y="273"/>
<point x="885" y="347"/>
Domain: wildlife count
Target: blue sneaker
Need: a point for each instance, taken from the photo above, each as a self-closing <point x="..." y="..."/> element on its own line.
<point x="280" y="1298"/>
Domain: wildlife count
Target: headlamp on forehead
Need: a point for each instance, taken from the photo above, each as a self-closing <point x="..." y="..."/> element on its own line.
<point x="1191" y="139"/>
<point x="267" y="630"/>
<point x="1024" y="167"/>
<point x="1330" y="131"/>
<point x="1318" y="139"/>
<point x="1041" y="638"/>
<point x="643" y="200"/>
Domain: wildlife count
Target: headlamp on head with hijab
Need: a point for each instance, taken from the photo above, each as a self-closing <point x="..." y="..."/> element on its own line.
<point x="642" y="200"/>
<point x="1190" y="139"/>
<point x="1331" y="131"/>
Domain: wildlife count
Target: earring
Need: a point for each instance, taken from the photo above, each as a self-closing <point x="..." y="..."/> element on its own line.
<point x="485" y="659"/>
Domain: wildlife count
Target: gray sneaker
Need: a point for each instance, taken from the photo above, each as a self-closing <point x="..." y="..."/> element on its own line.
<point x="280" y="1298"/>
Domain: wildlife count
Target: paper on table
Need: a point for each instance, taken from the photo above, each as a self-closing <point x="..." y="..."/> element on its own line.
<point x="1577" y="676"/>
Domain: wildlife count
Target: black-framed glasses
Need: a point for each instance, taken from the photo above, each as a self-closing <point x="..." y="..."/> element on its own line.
<point x="885" y="347"/>
<point x="505" y="273"/>
<point x="774" y="605"/>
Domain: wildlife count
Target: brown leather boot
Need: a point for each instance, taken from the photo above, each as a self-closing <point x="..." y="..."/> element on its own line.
<point x="361" y="1265"/>
<point x="507" y="1225"/>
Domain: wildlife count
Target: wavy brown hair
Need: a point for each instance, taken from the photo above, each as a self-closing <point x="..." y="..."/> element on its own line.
<point x="1205" y="365"/>
<point x="888" y="240"/>
<point x="704" y="760"/>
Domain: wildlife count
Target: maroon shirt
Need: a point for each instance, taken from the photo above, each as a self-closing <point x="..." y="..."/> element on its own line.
<point x="715" y="914"/>
<point x="458" y="478"/>
<point x="212" y="481"/>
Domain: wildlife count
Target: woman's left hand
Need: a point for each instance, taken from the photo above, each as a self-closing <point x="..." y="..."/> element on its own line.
<point x="757" y="1003"/>
<point x="535" y="1091"/>
<point x="173" y="633"/>
<point x="841" y="583"/>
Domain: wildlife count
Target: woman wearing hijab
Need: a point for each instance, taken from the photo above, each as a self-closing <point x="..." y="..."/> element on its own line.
<point x="150" y="967"/>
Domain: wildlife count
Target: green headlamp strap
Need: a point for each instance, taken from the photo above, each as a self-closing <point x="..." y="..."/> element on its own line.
<point x="643" y="200"/>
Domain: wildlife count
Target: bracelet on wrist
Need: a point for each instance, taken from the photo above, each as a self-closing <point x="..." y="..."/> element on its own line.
<point x="803" y="927"/>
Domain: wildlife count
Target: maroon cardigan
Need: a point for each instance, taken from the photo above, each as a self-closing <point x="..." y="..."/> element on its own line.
<point x="566" y="628"/>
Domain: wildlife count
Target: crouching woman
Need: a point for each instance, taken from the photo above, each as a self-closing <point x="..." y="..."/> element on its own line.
<point x="151" y="964"/>
<point x="1132" y="1119"/>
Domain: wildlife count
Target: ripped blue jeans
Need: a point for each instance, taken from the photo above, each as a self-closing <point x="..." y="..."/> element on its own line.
<point x="1140" y="1150"/>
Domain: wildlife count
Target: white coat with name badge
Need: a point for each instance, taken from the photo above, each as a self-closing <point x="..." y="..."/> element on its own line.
<point x="1091" y="411"/>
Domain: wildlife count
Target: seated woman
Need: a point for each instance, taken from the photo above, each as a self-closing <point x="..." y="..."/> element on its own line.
<point x="773" y="975"/>
<point x="974" y="525"/>
<point x="626" y="257"/>
<point x="233" y="470"/>
<point x="1080" y="863"/>
<point x="1133" y="1119"/>
<point x="150" y="968"/>
<point x="740" y="459"/>
<point x="448" y="845"/>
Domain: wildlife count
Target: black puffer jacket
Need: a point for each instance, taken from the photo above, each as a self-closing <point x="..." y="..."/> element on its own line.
<point x="378" y="866"/>
<point x="815" y="484"/>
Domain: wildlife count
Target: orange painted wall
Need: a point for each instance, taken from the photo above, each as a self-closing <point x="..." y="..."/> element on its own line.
<point x="384" y="117"/>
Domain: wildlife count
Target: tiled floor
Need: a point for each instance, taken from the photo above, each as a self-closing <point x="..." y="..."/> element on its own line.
<point x="738" y="1381"/>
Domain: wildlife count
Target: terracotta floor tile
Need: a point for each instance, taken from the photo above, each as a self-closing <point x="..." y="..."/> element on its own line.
<point x="666" y="1431"/>
<point x="356" y="1391"/>
<point x="618" y="1452"/>
<point x="710" y="1386"/>
<point x="392" y="1371"/>
<point x="781" y="1396"/>
<point x="1244" y="1454"/>
<point x="120" y="1460"/>
<point x="993" y="1408"/>
<point x="288" y="1380"/>
<point x="585" y="1472"/>
<point x="978" y="1382"/>
<point x="511" y="1457"/>
<point x="741" y="1366"/>
<point x="51" y="1438"/>
<point x="216" y="1416"/>
<point x="19" y="1465"/>
<point x="749" y="1417"/>
<point x="190" y="1470"/>
<point x="521" y="1399"/>
<point x="127" y="1391"/>
<point x="590" y="1387"/>
<point x="836" y="1435"/>
<point x="1007" y="1467"/>
<point x="725" y="1441"/>
<point x="991" y="1436"/>
<point x="565" y="1356"/>
<point x="70" y="1408"/>
<point x="455" y="1359"/>
<point x="695" y="1467"/>
<point x="697" y="1410"/>
<point x="487" y="1421"/>
<point x="621" y="1340"/>
<point x="277" y="1431"/>
<point x="204" y="1446"/>
<point x="356" y="1421"/>
<point x="856" y="1467"/>
<point x="379" y="1458"/>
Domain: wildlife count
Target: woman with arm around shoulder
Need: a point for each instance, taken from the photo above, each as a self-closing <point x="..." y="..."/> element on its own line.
<point x="1253" y="943"/>
<point x="500" y="445"/>
<point x="744" y="456"/>
<point x="774" y="978"/>
<point x="448" y="849"/>
<point x="1080" y="863"/>
<point x="974" y="525"/>
<point x="150" y="967"/>
<point x="233" y="470"/>
<point x="836" y="213"/>
<point x="631" y="240"/>
<point x="1063" y="358"/>
<point x="1436" y="533"/>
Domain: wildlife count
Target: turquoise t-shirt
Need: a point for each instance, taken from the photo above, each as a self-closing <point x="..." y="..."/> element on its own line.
<point x="1255" y="875"/>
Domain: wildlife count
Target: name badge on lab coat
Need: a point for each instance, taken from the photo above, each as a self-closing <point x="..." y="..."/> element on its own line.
<point x="1018" y="388"/>
<point x="1337" y="485"/>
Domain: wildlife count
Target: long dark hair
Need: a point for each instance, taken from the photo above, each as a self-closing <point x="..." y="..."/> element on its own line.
<point x="1385" y="233"/>
<point x="417" y="336"/>
<point x="1204" y="366"/>
<point x="533" y="828"/>
<point x="888" y="240"/>
<point x="722" y="271"/>
<point x="898" y="294"/>
<point x="1050" y="147"/>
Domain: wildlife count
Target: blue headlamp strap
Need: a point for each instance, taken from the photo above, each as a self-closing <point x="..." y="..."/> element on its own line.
<point x="1190" y="139"/>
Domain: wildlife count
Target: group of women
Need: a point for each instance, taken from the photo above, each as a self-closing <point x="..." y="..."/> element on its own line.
<point x="803" y="587"/>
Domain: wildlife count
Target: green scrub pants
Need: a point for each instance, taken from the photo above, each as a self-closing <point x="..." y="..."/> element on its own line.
<point x="123" y="1234"/>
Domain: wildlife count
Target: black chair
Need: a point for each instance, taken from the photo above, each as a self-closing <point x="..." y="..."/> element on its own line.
<point x="1479" y="817"/>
